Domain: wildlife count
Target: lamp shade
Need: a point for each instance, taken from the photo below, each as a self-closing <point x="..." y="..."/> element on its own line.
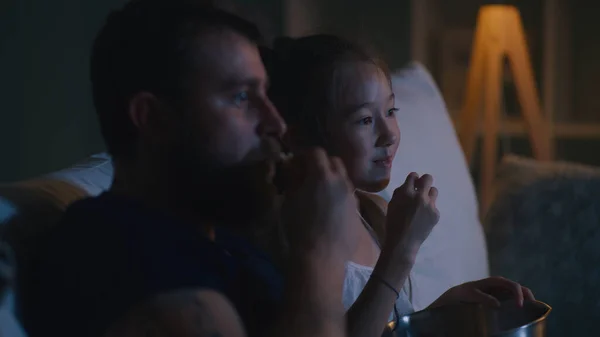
<point x="500" y="2"/>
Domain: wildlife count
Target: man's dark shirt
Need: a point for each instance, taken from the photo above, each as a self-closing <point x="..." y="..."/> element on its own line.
<point x="109" y="253"/>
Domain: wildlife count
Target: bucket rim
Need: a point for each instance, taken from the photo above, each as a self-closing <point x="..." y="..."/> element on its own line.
<point x="534" y="322"/>
<point x="392" y="324"/>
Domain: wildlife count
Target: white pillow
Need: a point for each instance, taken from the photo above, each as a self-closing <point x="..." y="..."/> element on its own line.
<point x="93" y="175"/>
<point x="455" y="252"/>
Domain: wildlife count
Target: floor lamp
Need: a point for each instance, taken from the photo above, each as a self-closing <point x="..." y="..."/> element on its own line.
<point x="499" y="35"/>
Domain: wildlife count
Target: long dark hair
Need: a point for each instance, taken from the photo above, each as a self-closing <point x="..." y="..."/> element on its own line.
<point x="305" y="82"/>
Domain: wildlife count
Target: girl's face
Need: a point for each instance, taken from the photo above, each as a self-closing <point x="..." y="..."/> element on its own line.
<point x="363" y="130"/>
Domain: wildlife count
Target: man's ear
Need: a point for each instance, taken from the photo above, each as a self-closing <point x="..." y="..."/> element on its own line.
<point x="147" y="113"/>
<point x="140" y="109"/>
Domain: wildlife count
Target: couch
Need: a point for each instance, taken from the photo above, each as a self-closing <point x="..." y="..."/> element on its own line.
<point x="28" y="209"/>
<point x="543" y="230"/>
<point x="454" y="253"/>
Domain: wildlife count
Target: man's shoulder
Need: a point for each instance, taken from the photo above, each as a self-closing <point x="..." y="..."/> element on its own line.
<point x="116" y="222"/>
<point x="125" y="239"/>
<point x="88" y="213"/>
<point x="115" y="217"/>
<point x="88" y="224"/>
<point x="85" y="223"/>
<point x="105" y="207"/>
<point x="111" y="254"/>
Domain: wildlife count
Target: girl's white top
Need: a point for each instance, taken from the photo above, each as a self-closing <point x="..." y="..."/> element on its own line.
<point x="358" y="275"/>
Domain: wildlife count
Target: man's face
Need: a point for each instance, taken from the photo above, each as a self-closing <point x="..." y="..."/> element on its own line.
<point x="229" y="112"/>
<point x="216" y="146"/>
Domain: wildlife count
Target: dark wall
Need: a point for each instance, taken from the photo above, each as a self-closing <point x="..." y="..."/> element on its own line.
<point x="46" y="117"/>
<point x="382" y="24"/>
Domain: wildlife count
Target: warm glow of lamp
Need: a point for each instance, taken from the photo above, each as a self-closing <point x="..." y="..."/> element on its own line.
<point x="498" y="15"/>
<point x="499" y="35"/>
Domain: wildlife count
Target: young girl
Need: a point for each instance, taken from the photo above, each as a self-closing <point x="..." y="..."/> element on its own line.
<point x="334" y="95"/>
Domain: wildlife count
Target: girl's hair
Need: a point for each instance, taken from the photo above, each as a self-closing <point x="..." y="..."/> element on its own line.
<point x="306" y="81"/>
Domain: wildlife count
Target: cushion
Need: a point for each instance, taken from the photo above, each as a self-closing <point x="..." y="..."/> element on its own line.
<point x="9" y="327"/>
<point x="29" y="208"/>
<point x="543" y="230"/>
<point x="455" y="252"/>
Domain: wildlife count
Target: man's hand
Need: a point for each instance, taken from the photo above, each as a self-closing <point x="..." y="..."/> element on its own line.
<point x="319" y="205"/>
<point x="183" y="313"/>
<point x="318" y="208"/>
<point x="411" y="216"/>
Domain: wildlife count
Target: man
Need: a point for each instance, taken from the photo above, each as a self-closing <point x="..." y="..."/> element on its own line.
<point x="180" y="92"/>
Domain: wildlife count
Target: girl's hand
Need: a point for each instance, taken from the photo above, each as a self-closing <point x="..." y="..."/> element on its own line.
<point x="411" y="215"/>
<point x="489" y="291"/>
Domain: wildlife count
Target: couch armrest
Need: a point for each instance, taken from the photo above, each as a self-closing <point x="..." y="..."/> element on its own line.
<point x="543" y="230"/>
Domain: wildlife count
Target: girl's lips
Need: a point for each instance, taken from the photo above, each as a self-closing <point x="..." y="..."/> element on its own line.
<point x="384" y="162"/>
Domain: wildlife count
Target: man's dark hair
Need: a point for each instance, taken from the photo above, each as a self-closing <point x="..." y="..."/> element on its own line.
<point x="146" y="46"/>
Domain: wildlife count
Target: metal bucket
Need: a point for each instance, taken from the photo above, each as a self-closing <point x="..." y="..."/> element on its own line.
<point x="472" y="320"/>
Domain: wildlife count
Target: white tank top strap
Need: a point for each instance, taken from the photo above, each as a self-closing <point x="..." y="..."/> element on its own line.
<point x="407" y="288"/>
<point x="369" y="229"/>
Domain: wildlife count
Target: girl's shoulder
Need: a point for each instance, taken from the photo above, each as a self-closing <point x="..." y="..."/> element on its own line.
<point x="373" y="201"/>
<point x="374" y="209"/>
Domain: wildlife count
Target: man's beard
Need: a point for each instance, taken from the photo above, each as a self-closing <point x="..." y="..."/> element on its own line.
<point x="236" y="196"/>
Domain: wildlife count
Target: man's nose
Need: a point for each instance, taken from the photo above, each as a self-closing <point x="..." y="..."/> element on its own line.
<point x="271" y="121"/>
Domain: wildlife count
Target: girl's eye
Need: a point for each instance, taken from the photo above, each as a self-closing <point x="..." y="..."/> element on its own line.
<point x="240" y="97"/>
<point x="392" y="112"/>
<point x="365" y="121"/>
